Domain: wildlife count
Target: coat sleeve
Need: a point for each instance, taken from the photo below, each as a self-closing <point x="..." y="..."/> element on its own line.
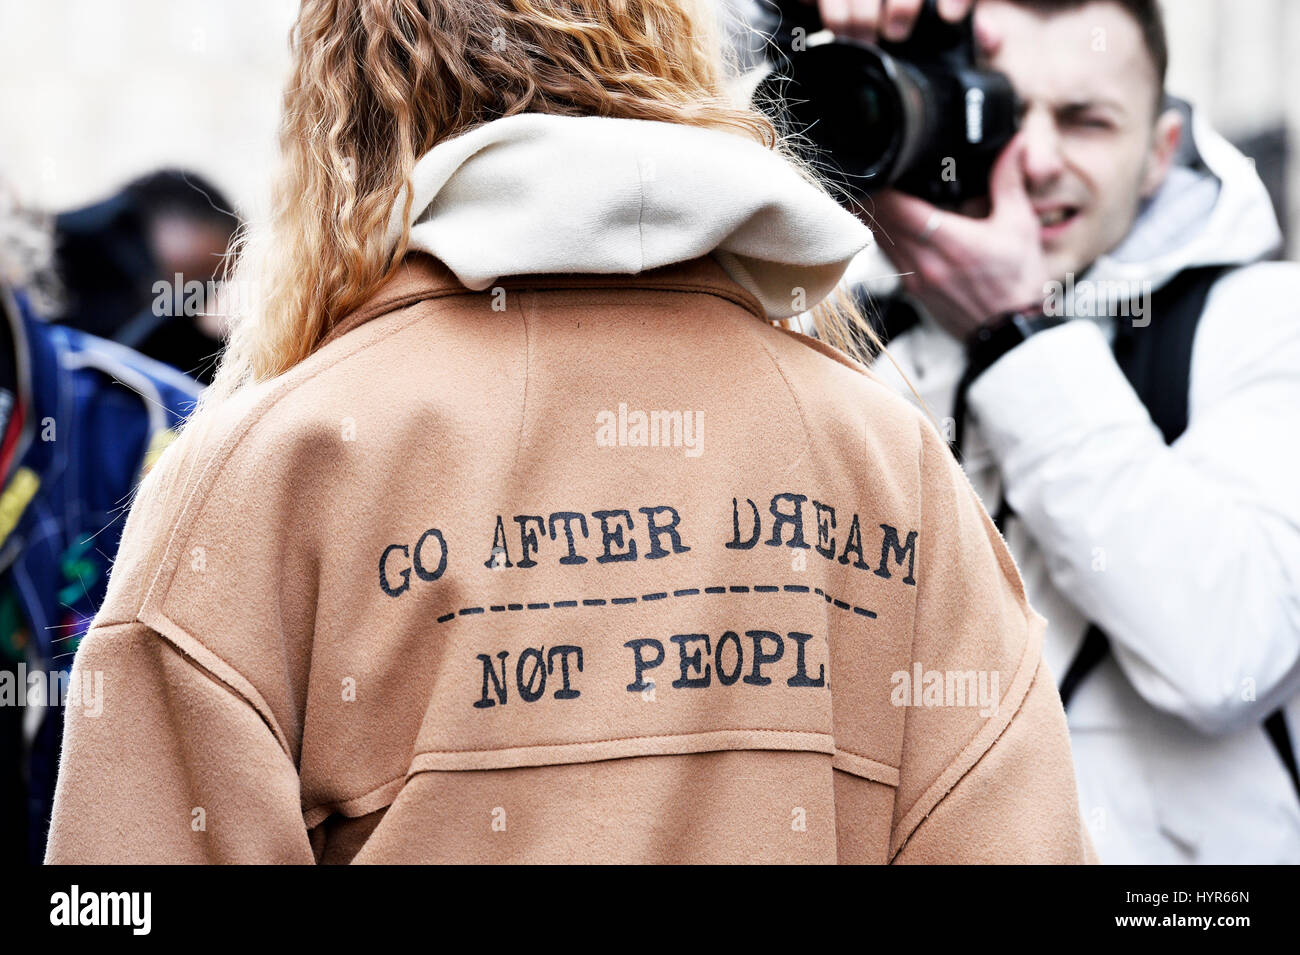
<point x="986" y="774"/>
<point x="162" y="762"/>
<point x="1187" y="555"/>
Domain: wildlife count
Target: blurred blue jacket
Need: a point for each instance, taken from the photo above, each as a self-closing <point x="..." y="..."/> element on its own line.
<point x="98" y="415"/>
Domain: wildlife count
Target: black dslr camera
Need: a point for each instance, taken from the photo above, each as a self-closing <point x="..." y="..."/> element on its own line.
<point x="917" y="116"/>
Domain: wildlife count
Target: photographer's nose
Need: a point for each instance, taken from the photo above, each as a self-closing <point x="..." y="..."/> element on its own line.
<point x="1042" y="160"/>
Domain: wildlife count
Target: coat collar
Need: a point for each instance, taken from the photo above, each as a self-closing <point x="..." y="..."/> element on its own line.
<point x="421" y="277"/>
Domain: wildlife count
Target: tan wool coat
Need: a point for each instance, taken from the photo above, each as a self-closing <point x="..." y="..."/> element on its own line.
<point x="579" y="568"/>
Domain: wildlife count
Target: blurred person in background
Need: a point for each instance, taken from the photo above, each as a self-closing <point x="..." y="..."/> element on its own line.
<point x="81" y="419"/>
<point x="340" y="628"/>
<point x="142" y="267"/>
<point x="1121" y="368"/>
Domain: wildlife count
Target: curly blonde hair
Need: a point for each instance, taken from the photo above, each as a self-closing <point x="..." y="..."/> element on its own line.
<point x="378" y="83"/>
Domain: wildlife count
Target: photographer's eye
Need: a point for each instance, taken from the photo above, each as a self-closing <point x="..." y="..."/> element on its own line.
<point x="1093" y="122"/>
<point x="1084" y="116"/>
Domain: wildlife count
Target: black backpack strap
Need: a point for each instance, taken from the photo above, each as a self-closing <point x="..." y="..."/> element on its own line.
<point x="1156" y="358"/>
<point x="1092" y="652"/>
<point x="1276" y="728"/>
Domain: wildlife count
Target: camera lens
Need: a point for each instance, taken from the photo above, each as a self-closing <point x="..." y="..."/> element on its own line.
<point x="842" y="97"/>
<point x="873" y="107"/>
<point x="900" y="116"/>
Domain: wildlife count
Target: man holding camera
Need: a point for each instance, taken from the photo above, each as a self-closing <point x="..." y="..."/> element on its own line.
<point x="1137" y="447"/>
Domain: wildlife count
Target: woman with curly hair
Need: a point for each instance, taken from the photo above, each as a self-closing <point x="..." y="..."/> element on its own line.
<point x="518" y="524"/>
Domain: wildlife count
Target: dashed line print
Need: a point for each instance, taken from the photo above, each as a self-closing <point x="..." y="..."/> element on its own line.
<point x="665" y="595"/>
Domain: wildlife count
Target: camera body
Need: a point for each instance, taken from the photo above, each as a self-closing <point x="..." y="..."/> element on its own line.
<point x="918" y="116"/>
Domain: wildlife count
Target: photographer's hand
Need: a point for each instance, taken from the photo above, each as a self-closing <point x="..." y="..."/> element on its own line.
<point x="965" y="271"/>
<point x="872" y="20"/>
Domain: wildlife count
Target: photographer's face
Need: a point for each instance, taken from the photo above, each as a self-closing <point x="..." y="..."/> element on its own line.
<point x="1094" y="145"/>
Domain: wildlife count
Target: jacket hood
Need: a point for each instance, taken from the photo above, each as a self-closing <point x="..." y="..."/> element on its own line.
<point x="1212" y="209"/>
<point x="536" y="194"/>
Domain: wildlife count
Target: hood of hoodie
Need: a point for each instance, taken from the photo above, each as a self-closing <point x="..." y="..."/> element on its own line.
<point x="537" y="194"/>
<point x="1212" y="209"/>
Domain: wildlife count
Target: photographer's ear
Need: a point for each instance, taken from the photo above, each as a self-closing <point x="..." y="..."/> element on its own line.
<point x="1166" y="135"/>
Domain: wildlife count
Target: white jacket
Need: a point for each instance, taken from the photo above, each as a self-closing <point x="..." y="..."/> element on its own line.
<point x="1188" y="556"/>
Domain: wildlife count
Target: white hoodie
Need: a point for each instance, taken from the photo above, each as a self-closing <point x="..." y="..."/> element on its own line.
<point x="603" y="195"/>
<point x="1187" y="556"/>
